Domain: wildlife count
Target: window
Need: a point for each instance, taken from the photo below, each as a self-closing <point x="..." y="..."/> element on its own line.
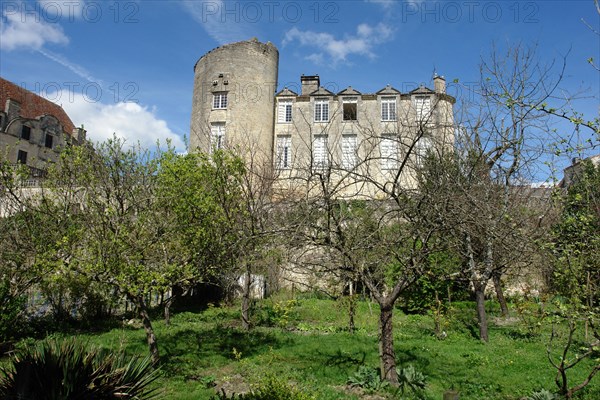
<point x="25" y="132"/>
<point x="22" y="157"/>
<point x="388" y="108"/>
<point x="321" y="110"/>
<point x="388" y="147"/>
<point x="422" y="149"/>
<point x="320" y="159"/>
<point x="349" y="108"/>
<point x="284" y="111"/>
<point x="349" y="151"/>
<point x="48" y="141"/>
<point x="423" y="107"/>
<point x="217" y="136"/>
<point x="284" y="152"/>
<point x="220" y="101"/>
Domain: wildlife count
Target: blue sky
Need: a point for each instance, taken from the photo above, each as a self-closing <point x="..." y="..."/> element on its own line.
<point x="127" y="66"/>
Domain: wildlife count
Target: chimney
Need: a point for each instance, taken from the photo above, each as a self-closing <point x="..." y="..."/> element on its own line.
<point x="439" y="84"/>
<point x="309" y="84"/>
<point x="12" y="109"/>
<point x="79" y="135"/>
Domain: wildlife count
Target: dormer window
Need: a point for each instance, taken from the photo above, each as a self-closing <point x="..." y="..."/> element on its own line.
<point x="25" y="132"/>
<point x="388" y="108"/>
<point x="49" y="141"/>
<point x="349" y="105"/>
<point x="284" y="111"/>
<point x="423" y="107"/>
<point x="220" y="101"/>
<point x="321" y="110"/>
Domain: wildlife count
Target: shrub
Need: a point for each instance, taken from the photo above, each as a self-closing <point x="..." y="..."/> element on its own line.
<point x="367" y="378"/>
<point x="11" y="309"/>
<point x="409" y="377"/>
<point x="55" y="370"/>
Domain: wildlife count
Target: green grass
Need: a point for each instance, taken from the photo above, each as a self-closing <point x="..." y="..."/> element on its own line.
<point x="311" y="348"/>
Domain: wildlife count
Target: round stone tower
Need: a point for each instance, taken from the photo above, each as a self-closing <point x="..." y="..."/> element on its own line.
<point x="233" y="101"/>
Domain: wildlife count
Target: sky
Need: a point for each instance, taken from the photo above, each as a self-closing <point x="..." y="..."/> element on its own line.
<point x="126" y="67"/>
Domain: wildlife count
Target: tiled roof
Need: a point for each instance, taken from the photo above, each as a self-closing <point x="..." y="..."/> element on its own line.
<point x="32" y="105"/>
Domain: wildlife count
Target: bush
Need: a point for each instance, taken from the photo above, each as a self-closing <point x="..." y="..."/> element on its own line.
<point x="280" y="313"/>
<point x="367" y="378"/>
<point x="55" y="370"/>
<point x="11" y="309"/>
<point x="409" y="377"/>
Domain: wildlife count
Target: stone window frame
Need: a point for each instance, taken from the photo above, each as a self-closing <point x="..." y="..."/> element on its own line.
<point x="350" y="109"/>
<point x="284" y="111"/>
<point x="217" y="136"/>
<point x="388" y="108"/>
<point x="422" y="105"/>
<point x="349" y="146"/>
<point x="321" y="107"/>
<point x="219" y="101"/>
<point x="388" y="151"/>
<point x="320" y="153"/>
<point x="284" y="152"/>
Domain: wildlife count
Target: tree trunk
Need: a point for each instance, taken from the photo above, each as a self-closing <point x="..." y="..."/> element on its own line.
<point x="351" y="313"/>
<point x="246" y="300"/>
<point x="386" y="345"/>
<point x="481" y="315"/>
<point x="150" y="337"/>
<point x="167" y="308"/>
<point x="500" y="294"/>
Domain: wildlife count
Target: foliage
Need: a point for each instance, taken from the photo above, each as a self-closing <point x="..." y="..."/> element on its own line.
<point x="410" y="378"/>
<point x="367" y="378"/>
<point x="57" y="370"/>
<point x="201" y="196"/>
<point x="576" y="238"/>
<point x="277" y="313"/>
<point x="11" y="309"/>
<point x="531" y="315"/>
<point x="575" y="245"/>
<point x="271" y="388"/>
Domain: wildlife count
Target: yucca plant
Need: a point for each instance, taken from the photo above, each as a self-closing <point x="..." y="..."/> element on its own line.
<point x="66" y="370"/>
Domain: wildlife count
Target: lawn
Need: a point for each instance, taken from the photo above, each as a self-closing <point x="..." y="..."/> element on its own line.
<point x="305" y="341"/>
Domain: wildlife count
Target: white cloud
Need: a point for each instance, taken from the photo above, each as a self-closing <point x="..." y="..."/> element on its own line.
<point x="21" y="30"/>
<point x="224" y="23"/>
<point x="338" y="50"/>
<point x="129" y="121"/>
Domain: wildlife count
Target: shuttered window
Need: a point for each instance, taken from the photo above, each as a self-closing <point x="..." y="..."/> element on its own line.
<point x="349" y="157"/>
<point x="388" y="148"/>
<point x="284" y="111"/>
<point x="217" y="136"/>
<point x="320" y="154"/>
<point x="284" y="152"/>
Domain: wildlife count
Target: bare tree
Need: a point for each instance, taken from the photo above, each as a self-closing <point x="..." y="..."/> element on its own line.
<point x="359" y="214"/>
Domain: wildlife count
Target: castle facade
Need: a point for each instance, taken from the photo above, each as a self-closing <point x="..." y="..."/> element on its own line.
<point x="348" y="134"/>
